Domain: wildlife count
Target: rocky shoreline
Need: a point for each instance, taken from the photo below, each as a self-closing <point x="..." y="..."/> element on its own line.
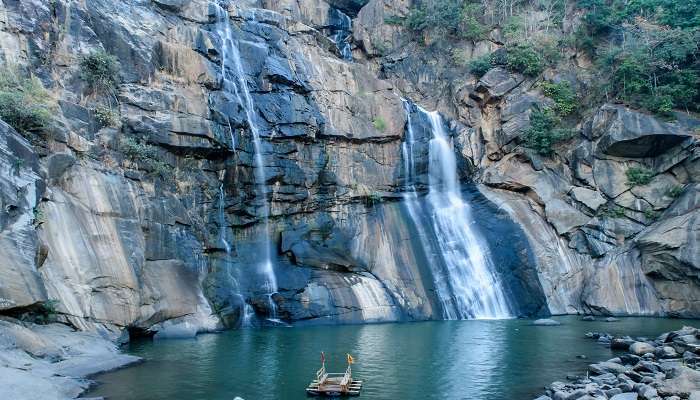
<point x="53" y="361"/>
<point x="667" y="367"/>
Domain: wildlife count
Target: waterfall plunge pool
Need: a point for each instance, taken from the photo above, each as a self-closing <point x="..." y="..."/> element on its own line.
<point x="478" y="359"/>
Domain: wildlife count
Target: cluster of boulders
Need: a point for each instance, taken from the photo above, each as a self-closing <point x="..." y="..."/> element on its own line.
<point x="667" y="367"/>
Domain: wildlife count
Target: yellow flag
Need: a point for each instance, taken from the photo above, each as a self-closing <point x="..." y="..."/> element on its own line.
<point x="350" y="359"/>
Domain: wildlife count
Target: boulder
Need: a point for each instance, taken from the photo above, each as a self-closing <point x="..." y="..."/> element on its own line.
<point x="627" y="133"/>
<point x="641" y="348"/>
<point x="546" y="322"/>
<point x="625" y="396"/>
<point x="497" y="82"/>
<point x="590" y="198"/>
<point x="607" y="367"/>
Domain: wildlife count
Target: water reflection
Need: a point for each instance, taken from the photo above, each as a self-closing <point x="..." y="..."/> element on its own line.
<point x="494" y="360"/>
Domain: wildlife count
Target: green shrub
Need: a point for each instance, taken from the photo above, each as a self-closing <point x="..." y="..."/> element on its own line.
<point x="47" y="311"/>
<point x="651" y="214"/>
<point x="379" y="124"/>
<point x="676" y="191"/>
<point x="105" y="116"/>
<point x="372" y="199"/>
<point x="146" y="155"/>
<point x="565" y="100"/>
<point x="639" y="176"/>
<point x="612" y="212"/>
<point x="543" y="132"/>
<point x="480" y="66"/>
<point x="101" y="71"/>
<point x="24" y="103"/>
<point x="525" y="59"/>
<point x="651" y="65"/>
<point x="394" y="20"/>
<point x="455" y="18"/>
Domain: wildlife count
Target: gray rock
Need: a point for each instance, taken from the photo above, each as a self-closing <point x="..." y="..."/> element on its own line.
<point x="641" y="348"/>
<point x="607" y="367"/>
<point x="546" y="322"/>
<point x="590" y="198"/>
<point x="497" y="82"/>
<point x="627" y="133"/>
<point x="625" y="396"/>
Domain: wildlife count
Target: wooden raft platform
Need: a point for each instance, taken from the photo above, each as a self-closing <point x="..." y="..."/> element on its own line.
<point x="334" y="384"/>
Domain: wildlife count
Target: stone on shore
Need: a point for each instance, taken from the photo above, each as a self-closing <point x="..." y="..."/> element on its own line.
<point x="641" y="348"/>
<point x="546" y="322"/>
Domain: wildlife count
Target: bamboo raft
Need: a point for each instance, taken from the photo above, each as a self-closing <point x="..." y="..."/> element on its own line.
<point x="334" y="384"/>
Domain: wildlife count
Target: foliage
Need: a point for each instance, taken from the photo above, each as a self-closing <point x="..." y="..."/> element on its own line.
<point x="101" y="71"/>
<point x="676" y="191"/>
<point x="650" y="214"/>
<point x="479" y="66"/>
<point x="565" y="100"/>
<point x="543" y="132"/>
<point x="147" y="155"/>
<point x="613" y="212"/>
<point x="639" y="176"/>
<point x="105" y="116"/>
<point x="455" y="18"/>
<point x="47" y="311"/>
<point x="24" y="103"/>
<point x="525" y="59"/>
<point x="379" y="124"/>
<point x="647" y="49"/>
<point x="372" y="199"/>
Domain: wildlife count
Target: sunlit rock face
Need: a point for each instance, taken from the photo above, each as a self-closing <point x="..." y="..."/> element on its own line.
<point x="156" y="224"/>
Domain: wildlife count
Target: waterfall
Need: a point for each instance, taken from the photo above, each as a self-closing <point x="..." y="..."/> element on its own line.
<point x="341" y="26"/>
<point x="222" y="222"/>
<point x="464" y="275"/>
<point x="235" y="82"/>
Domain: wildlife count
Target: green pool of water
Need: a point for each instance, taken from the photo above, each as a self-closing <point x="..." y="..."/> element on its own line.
<point x="490" y="360"/>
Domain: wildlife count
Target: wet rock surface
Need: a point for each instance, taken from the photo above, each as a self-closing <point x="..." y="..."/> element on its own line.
<point x="667" y="367"/>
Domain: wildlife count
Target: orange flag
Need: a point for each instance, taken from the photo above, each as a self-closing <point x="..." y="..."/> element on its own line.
<point x="350" y="359"/>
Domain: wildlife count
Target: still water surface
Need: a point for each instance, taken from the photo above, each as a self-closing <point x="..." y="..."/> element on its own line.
<point x="489" y="360"/>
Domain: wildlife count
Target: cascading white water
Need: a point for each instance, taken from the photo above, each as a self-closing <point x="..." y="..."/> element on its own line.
<point x="222" y="222"/>
<point x="464" y="276"/>
<point x="231" y="60"/>
<point x="342" y="25"/>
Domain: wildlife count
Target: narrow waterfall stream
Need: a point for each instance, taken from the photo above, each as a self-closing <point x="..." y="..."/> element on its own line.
<point x="231" y="65"/>
<point x="341" y="26"/>
<point x="464" y="275"/>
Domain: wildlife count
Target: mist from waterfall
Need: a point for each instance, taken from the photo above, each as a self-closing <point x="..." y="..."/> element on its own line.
<point x="464" y="275"/>
<point x="234" y="81"/>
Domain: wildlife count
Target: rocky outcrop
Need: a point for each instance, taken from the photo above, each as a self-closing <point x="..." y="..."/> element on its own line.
<point x="627" y="133"/>
<point x="155" y="224"/>
<point x="666" y="367"/>
<point x="20" y="188"/>
<point x="52" y="361"/>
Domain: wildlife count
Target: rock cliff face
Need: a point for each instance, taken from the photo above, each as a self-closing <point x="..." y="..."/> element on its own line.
<point x="156" y="224"/>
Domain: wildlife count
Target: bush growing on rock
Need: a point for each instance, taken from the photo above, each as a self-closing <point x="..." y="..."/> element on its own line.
<point x="379" y="124"/>
<point x="638" y="176"/>
<point x="563" y="95"/>
<point x="646" y="51"/>
<point x="525" y="59"/>
<point x="105" y="116"/>
<point x="456" y="18"/>
<point x="543" y="132"/>
<point x="147" y="155"/>
<point x="101" y="71"/>
<point x="24" y="103"/>
<point x="480" y="66"/>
